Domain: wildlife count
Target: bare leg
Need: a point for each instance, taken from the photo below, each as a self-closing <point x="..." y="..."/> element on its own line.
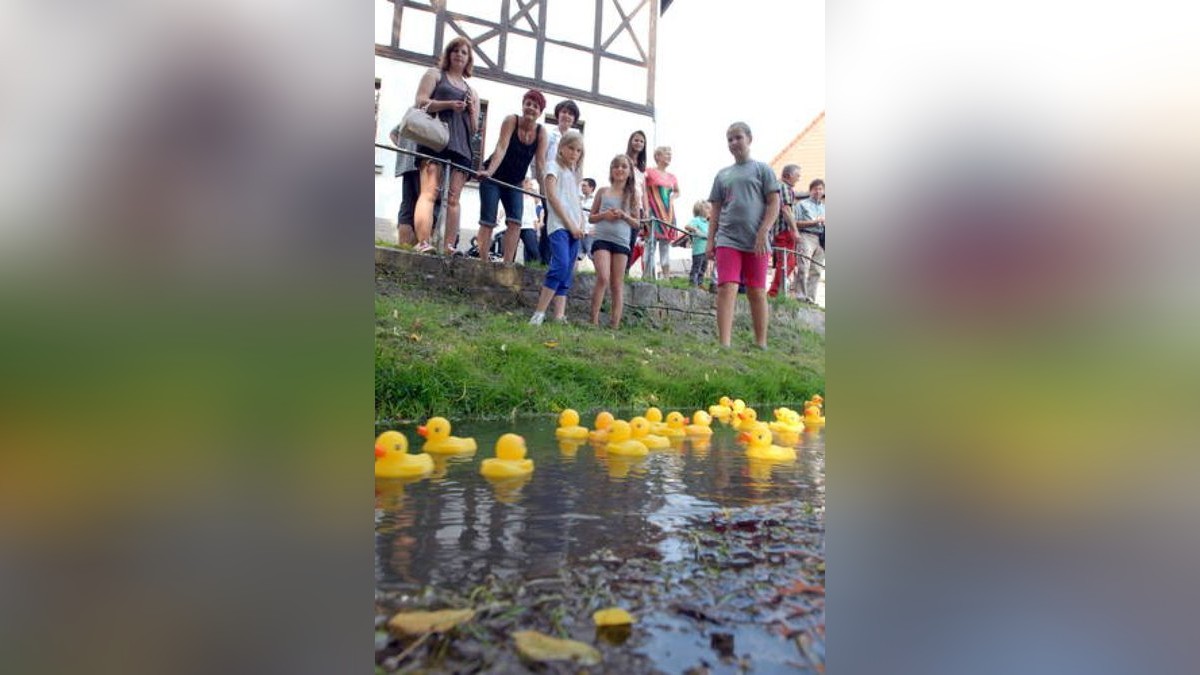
<point x="560" y="306"/>
<point x="457" y="180"/>
<point x="423" y="213"/>
<point x="405" y="235"/>
<point x="512" y="236"/>
<point x="603" y="262"/>
<point x="616" y="283"/>
<point x="758" y="314"/>
<point x="544" y="299"/>
<point x="483" y="240"/>
<point x="726" y="296"/>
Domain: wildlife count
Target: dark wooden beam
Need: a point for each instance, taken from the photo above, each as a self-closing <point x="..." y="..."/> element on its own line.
<point x="541" y="39"/>
<point x="474" y="44"/>
<point x="653" y="58"/>
<point x="525" y="9"/>
<point x="520" y="81"/>
<point x="505" y="27"/>
<point x="626" y="25"/>
<point x="596" y="49"/>
<point x="397" y="15"/>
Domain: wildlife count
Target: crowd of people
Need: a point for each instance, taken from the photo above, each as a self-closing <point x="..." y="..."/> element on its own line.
<point x="750" y="219"/>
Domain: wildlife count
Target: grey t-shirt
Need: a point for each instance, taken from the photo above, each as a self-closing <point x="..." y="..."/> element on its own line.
<point x="741" y="191"/>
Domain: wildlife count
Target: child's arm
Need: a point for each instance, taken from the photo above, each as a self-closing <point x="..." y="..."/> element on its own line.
<point x="770" y="214"/>
<point x="595" y="216"/>
<point x="710" y="248"/>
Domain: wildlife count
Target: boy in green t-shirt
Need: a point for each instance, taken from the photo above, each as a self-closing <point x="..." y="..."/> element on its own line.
<point x="698" y="229"/>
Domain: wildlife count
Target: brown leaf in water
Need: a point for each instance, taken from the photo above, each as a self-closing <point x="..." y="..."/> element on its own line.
<point x="416" y="623"/>
<point x="541" y="647"/>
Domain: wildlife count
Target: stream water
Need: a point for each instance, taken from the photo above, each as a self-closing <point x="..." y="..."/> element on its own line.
<point x="456" y="527"/>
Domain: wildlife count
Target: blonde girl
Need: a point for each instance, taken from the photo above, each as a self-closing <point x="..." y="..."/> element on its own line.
<point x="564" y="225"/>
<point x="614" y="214"/>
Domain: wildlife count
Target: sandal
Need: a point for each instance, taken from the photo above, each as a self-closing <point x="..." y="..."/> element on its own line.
<point x="423" y="247"/>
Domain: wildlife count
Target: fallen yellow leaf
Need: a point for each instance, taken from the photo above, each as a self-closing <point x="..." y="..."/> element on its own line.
<point x="613" y="616"/>
<point x="540" y="647"/>
<point x="551" y="343"/>
<point x="416" y="623"/>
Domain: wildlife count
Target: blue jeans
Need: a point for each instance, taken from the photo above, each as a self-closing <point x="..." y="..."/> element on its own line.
<point x="563" y="250"/>
<point x="530" y="239"/>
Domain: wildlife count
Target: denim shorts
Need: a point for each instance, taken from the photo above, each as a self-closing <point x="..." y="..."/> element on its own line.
<point x="490" y="194"/>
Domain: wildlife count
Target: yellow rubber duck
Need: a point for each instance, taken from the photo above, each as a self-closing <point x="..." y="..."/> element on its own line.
<point x="393" y="461"/>
<point x="655" y="417"/>
<point x="436" y="432"/>
<point x="509" y="461"/>
<point x="787" y="421"/>
<point x="744" y="419"/>
<point x="813" y="419"/>
<point x="568" y="426"/>
<point x="621" y="441"/>
<point x="722" y="409"/>
<point x="604" y="419"/>
<point x="760" y="446"/>
<point x="675" y="422"/>
<point x="701" y="424"/>
<point x="641" y="432"/>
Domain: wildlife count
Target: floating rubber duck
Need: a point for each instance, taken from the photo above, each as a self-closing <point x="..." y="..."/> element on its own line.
<point x="759" y="445"/>
<point x="509" y="461"/>
<point x="722" y="409"/>
<point x="600" y="434"/>
<point x="813" y="419"/>
<point x="675" y="422"/>
<point x="737" y="406"/>
<point x="436" y="432"/>
<point x="700" y="426"/>
<point x="655" y="417"/>
<point x="787" y="421"/>
<point x="621" y="441"/>
<point x="393" y="461"/>
<point x="641" y="432"/>
<point x="568" y="426"/>
<point x="744" y="419"/>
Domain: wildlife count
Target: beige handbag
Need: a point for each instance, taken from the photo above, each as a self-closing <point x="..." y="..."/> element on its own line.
<point x="425" y="129"/>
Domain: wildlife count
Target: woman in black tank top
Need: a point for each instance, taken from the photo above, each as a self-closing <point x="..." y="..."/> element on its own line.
<point x="521" y="141"/>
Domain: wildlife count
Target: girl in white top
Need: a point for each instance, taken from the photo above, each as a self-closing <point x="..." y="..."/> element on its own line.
<point x="564" y="226"/>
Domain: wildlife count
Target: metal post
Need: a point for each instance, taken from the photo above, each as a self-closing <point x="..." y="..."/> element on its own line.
<point x="649" y="271"/>
<point x="440" y="228"/>
<point x="783" y="285"/>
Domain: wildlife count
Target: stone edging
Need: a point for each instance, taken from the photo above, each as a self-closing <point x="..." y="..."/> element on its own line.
<point x="519" y="286"/>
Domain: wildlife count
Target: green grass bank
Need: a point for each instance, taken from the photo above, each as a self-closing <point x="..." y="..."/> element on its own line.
<point x="445" y="354"/>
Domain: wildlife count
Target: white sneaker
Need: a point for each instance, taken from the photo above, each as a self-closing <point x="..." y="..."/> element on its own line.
<point x="537" y="318"/>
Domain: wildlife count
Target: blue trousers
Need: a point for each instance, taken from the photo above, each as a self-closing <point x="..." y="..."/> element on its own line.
<point x="563" y="250"/>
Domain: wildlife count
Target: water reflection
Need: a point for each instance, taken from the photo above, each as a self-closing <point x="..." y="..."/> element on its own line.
<point x="456" y="527"/>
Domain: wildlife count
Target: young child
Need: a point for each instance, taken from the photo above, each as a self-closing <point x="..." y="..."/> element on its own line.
<point x="530" y="221"/>
<point x="564" y="226"/>
<point x="661" y="190"/>
<point x="698" y="228"/>
<point x="614" y="214"/>
<point x="585" y="202"/>
<point x="745" y="199"/>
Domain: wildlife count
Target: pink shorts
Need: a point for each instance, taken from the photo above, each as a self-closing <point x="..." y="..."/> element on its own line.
<point x="737" y="267"/>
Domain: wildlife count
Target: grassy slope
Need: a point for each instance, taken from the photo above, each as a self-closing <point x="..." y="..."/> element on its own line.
<point x="449" y="356"/>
